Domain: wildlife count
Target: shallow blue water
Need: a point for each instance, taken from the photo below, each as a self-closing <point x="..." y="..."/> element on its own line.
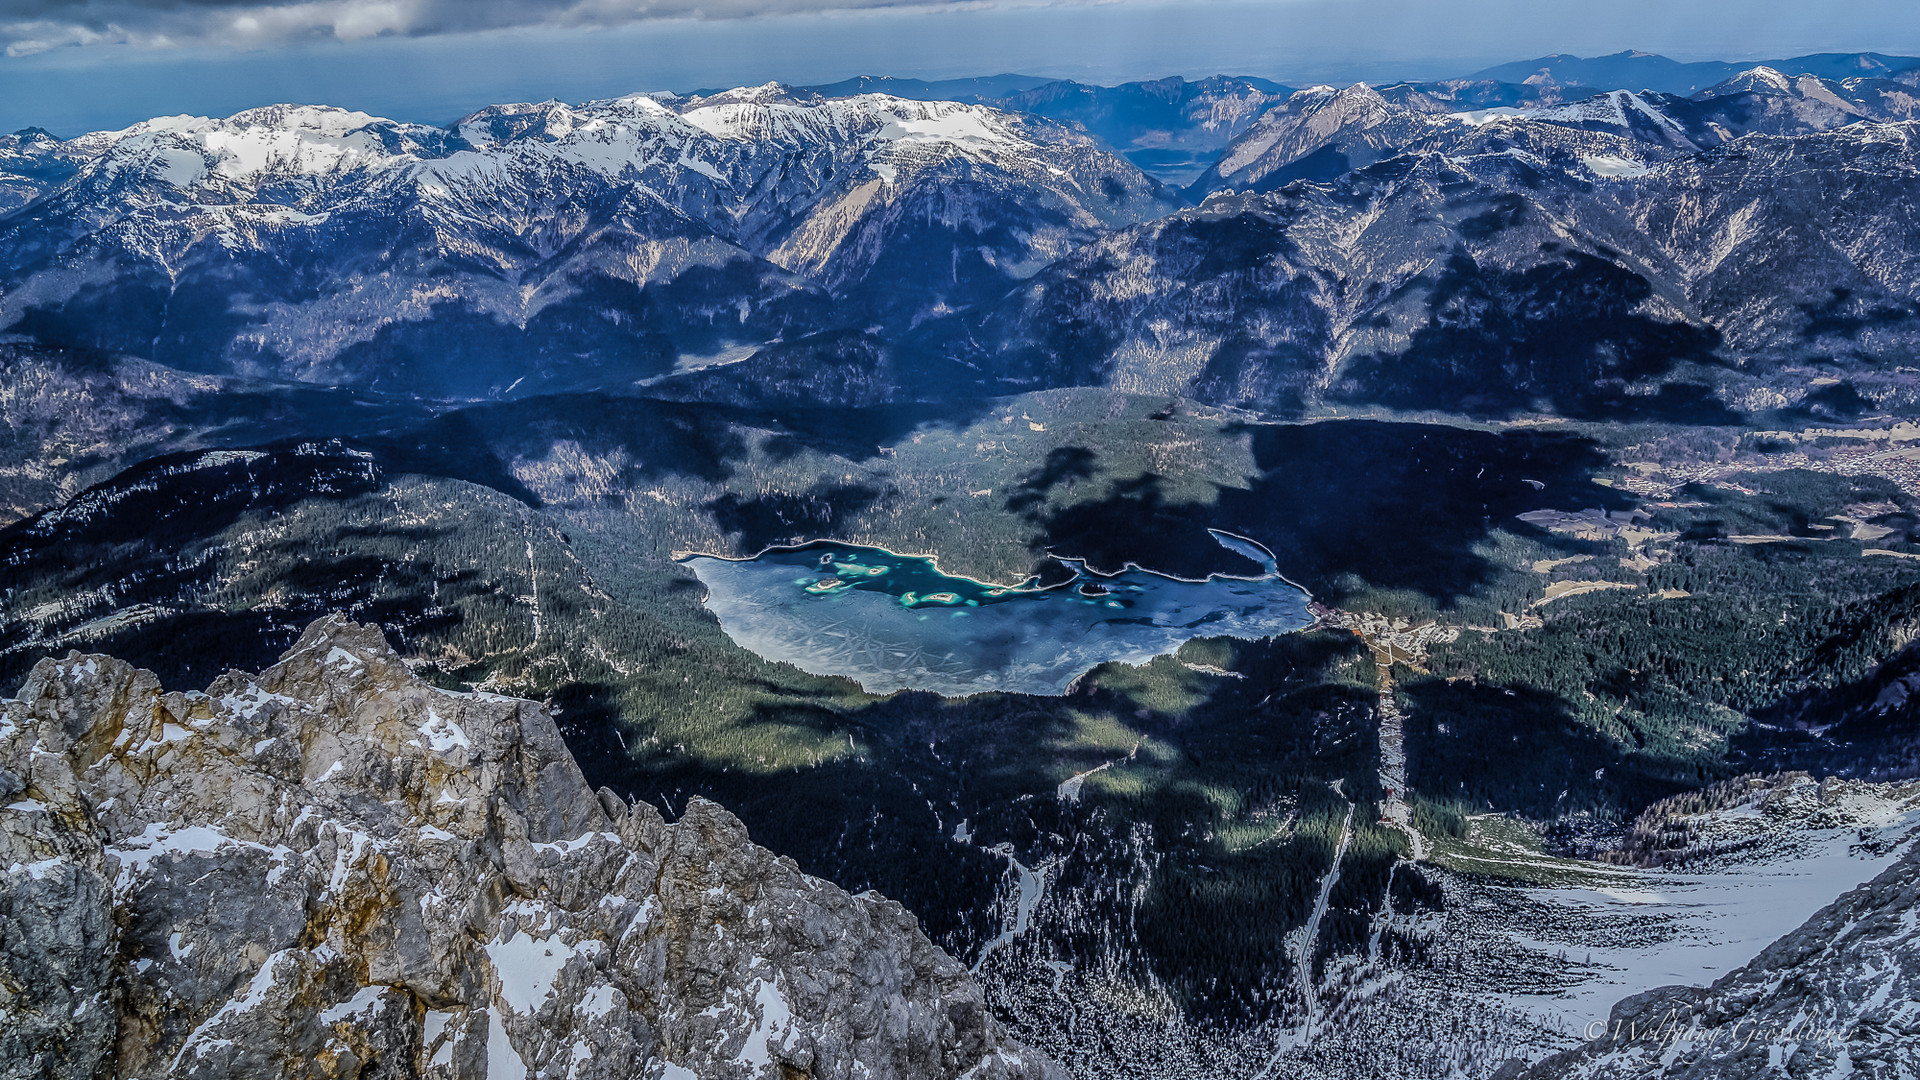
<point x="895" y="622"/>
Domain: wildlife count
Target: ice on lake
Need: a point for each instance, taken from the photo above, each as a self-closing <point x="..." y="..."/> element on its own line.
<point x="895" y="622"/>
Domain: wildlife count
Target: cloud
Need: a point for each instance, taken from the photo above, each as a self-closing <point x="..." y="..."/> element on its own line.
<point x="32" y="26"/>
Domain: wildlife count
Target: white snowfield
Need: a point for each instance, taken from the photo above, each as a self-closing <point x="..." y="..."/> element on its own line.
<point x="309" y="149"/>
<point x="643" y="188"/>
<point x="1810" y="844"/>
<point x="192" y="151"/>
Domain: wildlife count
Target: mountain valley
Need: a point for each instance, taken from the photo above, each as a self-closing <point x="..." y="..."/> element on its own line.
<point x="1581" y="416"/>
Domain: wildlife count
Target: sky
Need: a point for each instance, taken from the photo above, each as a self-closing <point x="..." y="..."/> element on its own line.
<point x="72" y="66"/>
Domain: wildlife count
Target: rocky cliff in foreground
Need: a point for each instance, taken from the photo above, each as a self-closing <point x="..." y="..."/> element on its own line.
<point x="332" y="869"/>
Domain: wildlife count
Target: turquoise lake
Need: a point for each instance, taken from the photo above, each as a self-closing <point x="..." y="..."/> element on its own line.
<point x="895" y="622"/>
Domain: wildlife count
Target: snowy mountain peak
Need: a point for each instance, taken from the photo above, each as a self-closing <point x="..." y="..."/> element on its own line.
<point x="788" y="192"/>
<point x="1356" y="96"/>
<point x="1756" y="80"/>
<point x="322" y="120"/>
<point x="313" y="123"/>
<point x="771" y="93"/>
<point x="251" y="148"/>
<point x="1767" y="76"/>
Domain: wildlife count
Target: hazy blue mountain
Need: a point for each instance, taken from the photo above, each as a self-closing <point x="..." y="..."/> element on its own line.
<point x="1634" y="70"/>
<point x="982" y="90"/>
<point x="31" y="161"/>
<point x="1172" y="128"/>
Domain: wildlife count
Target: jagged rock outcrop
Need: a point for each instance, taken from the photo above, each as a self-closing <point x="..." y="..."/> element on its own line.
<point x="1840" y="996"/>
<point x="333" y="869"/>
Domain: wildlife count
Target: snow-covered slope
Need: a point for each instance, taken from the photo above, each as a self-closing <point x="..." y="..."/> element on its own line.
<point x="1322" y="132"/>
<point x="31" y="161"/>
<point x="1837" y="996"/>
<point x="588" y="244"/>
<point x="1493" y="278"/>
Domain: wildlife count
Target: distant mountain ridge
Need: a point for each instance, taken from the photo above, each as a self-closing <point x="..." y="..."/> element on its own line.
<point x="773" y="244"/>
<point x="1324" y="132"/>
<point x="1622" y="256"/>
<point x="1175" y="127"/>
<point x="596" y="244"/>
<point x="1634" y="70"/>
<point x="980" y="90"/>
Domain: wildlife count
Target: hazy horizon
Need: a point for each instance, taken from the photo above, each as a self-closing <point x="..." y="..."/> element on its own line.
<point x="437" y="76"/>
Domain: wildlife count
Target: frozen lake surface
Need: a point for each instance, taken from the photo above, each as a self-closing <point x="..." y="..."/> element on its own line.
<point x="895" y="622"/>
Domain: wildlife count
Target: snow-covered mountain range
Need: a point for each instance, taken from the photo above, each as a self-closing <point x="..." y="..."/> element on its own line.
<point x="1499" y="278"/>
<point x="251" y="371"/>
<point x="1636" y="69"/>
<point x="598" y="243"/>
<point x="1322" y="132"/>
<point x="1344" y="235"/>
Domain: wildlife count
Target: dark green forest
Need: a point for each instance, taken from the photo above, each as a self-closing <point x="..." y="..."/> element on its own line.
<point x="1598" y="661"/>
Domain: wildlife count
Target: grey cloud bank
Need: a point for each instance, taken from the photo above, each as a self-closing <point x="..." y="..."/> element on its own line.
<point x="32" y="26"/>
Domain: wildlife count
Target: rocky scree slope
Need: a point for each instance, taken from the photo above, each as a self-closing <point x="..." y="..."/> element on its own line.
<point x="332" y="869"/>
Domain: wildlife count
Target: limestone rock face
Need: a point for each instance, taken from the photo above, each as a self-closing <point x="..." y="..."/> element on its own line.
<point x="333" y="869"/>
